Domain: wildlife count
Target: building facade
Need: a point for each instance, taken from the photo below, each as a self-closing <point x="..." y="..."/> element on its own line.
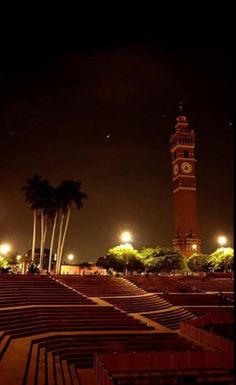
<point x="182" y="143"/>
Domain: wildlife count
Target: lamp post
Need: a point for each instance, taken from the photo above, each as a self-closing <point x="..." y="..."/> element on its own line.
<point x="4" y="248"/>
<point x="222" y="241"/>
<point x="126" y="238"/>
<point x="70" y="257"/>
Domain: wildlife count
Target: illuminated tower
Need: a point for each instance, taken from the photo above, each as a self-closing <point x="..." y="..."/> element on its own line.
<point x="182" y="144"/>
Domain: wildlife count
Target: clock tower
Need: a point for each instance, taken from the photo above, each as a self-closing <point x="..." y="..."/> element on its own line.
<point x="182" y="142"/>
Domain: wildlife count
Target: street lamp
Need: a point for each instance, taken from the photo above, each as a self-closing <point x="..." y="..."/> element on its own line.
<point x="70" y="257"/>
<point x="5" y="248"/>
<point x="126" y="238"/>
<point x="222" y="240"/>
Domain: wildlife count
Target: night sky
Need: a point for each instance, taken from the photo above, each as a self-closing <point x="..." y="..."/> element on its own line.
<point x="101" y="110"/>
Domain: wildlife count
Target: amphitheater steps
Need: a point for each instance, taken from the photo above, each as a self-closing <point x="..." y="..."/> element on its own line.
<point x="12" y="365"/>
<point x="75" y="377"/>
<point x="4" y="342"/>
<point x="86" y="377"/>
<point x="31" y="369"/>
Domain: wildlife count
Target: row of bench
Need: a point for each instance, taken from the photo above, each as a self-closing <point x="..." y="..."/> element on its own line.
<point x="59" y="355"/>
<point x="162" y="367"/>
<point x="174" y="284"/>
<point x="19" y="290"/>
<point x="139" y="304"/>
<point x="195" y="299"/>
<point x="100" y="286"/>
<point x="157" y="283"/>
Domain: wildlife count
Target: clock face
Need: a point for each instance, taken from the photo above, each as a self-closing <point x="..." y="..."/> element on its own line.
<point x="186" y="167"/>
<point x="175" y="169"/>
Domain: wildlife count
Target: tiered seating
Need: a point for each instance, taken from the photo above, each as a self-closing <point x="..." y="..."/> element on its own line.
<point x="25" y="322"/>
<point x="194" y="299"/>
<point x="100" y="286"/>
<point x="18" y="290"/>
<point x="157" y="283"/>
<point x="63" y="354"/>
<point x="139" y="304"/>
<point x="163" y="367"/>
<point x="57" y="328"/>
<point x="208" y="283"/>
<point x="171" y="318"/>
<point x="221" y="329"/>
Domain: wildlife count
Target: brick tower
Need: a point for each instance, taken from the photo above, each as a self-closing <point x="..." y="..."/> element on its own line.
<point x="182" y="143"/>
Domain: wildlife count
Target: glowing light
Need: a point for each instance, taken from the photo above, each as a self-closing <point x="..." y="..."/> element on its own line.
<point x="126" y="237"/>
<point x="194" y="247"/>
<point x="126" y="246"/>
<point x="18" y="257"/>
<point x="70" y="257"/>
<point x="222" y="240"/>
<point x="5" y="248"/>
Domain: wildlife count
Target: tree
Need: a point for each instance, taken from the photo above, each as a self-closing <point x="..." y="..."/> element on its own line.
<point x="68" y="194"/>
<point x="3" y="263"/>
<point x="31" y="196"/>
<point x="52" y="212"/>
<point x="120" y="258"/>
<point x="222" y="259"/>
<point x="199" y="262"/>
<point x="162" y="259"/>
<point x="110" y="262"/>
<point x="37" y="193"/>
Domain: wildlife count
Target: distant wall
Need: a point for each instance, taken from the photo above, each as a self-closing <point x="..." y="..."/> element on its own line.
<point x="77" y="270"/>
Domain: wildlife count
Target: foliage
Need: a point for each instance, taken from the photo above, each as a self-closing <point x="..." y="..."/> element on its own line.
<point x="121" y="257"/>
<point x="3" y="263"/>
<point x="159" y="259"/>
<point x="222" y="259"/>
<point x="110" y="262"/>
<point x="162" y="259"/>
<point x="52" y="204"/>
<point x="199" y="262"/>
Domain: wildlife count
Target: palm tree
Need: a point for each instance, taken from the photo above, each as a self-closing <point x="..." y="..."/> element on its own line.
<point x="69" y="192"/>
<point x="44" y="194"/>
<point x="31" y="195"/>
<point x="37" y="193"/>
<point x="52" y="213"/>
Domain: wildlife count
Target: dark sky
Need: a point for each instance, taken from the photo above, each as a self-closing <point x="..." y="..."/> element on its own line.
<point x="60" y="101"/>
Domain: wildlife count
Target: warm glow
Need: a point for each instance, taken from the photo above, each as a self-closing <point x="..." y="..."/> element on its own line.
<point x="126" y="237"/>
<point x="5" y="248"/>
<point x="70" y="257"/>
<point x="222" y="240"/>
<point x="194" y="247"/>
<point x="126" y="246"/>
<point x="18" y="257"/>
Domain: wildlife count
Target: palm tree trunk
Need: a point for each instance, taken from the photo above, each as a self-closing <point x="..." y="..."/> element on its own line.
<point x="34" y="236"/>
<point x="45" y="233"/>
<point x="59" y="243"/>
<point x="64" y="236"/>
<point x="52" y="241"/>
<point x="41" y="243"/>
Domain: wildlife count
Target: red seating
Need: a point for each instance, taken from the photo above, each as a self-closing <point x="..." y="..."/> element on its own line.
<point x="100" y="286"/>
<point x="139" y="304"/>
